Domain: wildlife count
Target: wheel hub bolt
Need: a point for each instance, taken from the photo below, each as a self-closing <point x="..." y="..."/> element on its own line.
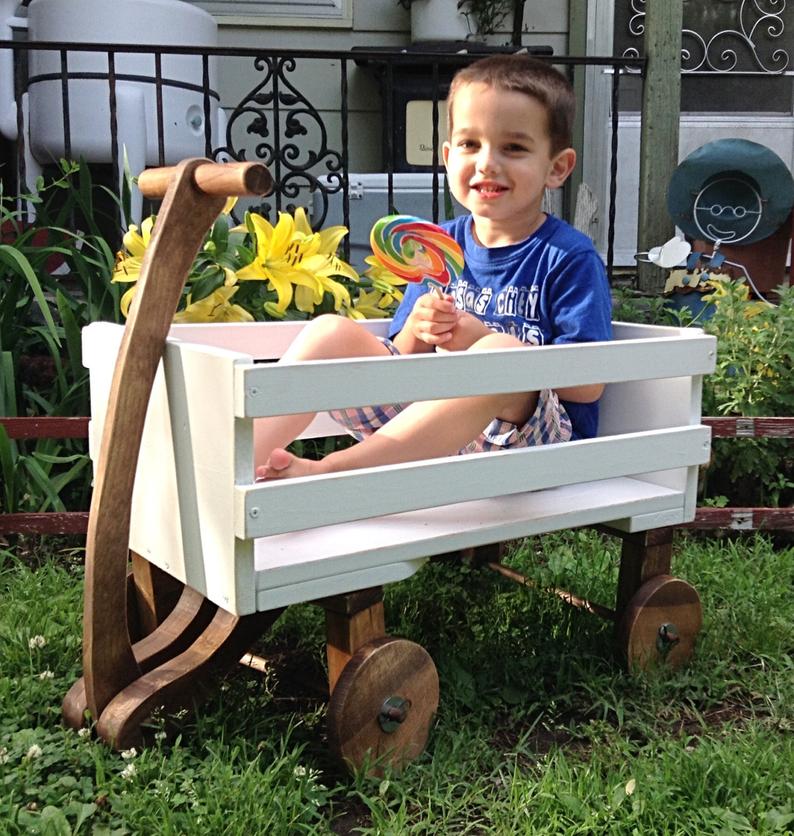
<point x="392" y="713"/>
<point x="667" y="638"/>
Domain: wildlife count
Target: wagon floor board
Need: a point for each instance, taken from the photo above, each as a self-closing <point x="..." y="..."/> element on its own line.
<point x="286" y="560"/>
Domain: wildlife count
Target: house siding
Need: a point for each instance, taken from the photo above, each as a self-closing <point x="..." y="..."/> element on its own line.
<point x="375" y="23"/>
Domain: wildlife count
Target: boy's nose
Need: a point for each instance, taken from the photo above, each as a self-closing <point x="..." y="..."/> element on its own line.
<point x="486" y="161"/>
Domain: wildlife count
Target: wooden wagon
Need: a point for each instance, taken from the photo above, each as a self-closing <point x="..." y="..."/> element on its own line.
<point x="216" y="556"/>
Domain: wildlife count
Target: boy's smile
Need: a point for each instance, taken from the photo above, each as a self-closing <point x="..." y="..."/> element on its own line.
<point x="499" y="161"/>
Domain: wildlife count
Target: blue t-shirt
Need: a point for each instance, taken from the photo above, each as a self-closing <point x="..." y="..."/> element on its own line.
<point x="549" y="289"/>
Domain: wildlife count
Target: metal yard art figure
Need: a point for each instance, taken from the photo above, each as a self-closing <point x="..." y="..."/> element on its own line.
<point x="733" y="200"/>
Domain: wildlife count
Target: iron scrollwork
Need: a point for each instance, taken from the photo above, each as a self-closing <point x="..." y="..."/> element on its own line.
<point x="278" y="113"/>
<point x="759" y="23"/>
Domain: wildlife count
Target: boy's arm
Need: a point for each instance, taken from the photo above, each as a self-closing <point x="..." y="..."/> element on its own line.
<point x="582" y="312"/>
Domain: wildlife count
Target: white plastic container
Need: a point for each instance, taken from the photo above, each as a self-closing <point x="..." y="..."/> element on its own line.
<point x="140" y="22"/>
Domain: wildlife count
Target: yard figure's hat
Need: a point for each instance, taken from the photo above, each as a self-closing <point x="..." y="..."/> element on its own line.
<point x="731" y="190"/>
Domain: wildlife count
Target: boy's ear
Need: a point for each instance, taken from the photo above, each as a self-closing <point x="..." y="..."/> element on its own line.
<point x="561" y="167"/>
<point x="445" y="146"/>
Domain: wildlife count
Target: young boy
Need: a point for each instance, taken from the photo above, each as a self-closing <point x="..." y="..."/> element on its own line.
<point x="529" y="279"/>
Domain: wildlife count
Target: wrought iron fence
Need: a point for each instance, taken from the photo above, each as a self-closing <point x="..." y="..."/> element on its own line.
<point x="273" y="121"/>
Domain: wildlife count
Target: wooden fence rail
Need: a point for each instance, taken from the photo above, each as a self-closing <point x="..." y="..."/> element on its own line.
<point x="735" y="519"/>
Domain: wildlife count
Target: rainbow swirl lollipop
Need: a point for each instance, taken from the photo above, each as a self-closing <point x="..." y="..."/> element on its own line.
<point x="416" y="250"/>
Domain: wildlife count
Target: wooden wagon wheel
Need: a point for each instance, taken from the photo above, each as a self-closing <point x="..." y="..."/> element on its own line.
<point x="383" y="705"/>
<point x="195" y="192"/>
<point x="660" y="623"/>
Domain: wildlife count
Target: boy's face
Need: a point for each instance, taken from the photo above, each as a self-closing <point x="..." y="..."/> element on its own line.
<point x="499" y="161"/>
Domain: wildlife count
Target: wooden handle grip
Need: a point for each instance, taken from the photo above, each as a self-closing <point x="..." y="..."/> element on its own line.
<point x="225" y="179"/>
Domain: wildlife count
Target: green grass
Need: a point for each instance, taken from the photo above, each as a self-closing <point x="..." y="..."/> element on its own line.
<point x="539" y="730"/>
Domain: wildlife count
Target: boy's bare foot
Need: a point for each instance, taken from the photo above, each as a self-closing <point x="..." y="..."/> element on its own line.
<point x="283" y="465"/>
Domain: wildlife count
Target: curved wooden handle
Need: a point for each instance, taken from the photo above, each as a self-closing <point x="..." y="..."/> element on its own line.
<point x="224" y="179"/>
<point x="187" y="212"/>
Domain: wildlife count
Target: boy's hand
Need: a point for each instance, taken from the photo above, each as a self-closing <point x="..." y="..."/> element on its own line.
<point x="466" y="332"/>
<point x="429" y="324"/>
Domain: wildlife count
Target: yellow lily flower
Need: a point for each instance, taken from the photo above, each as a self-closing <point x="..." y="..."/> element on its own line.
<point x="126" y="300"/>
<point x="379" y="274"/>
<point x="300" y="265"/>
<point x="370" y="305"/>
<point x="323" y="268"/>
<point x="385" y="282"/>
<point x="214" y="308"/>
<point x="278" y="259"/>
<point x="328" y="241"/>
<point x="128" y="265"/>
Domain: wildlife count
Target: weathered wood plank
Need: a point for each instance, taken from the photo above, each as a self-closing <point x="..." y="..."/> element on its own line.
<point x="69" y="522"/>
<point x="744" y="519"/>
<point x="734" y="427"/>
<point x="46" y="427"/>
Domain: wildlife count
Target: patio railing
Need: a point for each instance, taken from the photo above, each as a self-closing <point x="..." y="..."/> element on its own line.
<point x="91" y="98"/>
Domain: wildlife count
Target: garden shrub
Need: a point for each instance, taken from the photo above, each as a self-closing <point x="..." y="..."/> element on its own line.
<point x="752" y="378"/>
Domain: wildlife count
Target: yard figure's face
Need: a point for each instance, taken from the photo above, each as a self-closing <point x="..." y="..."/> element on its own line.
<point x="499" y="161"/>
<point x="728" y="209"/>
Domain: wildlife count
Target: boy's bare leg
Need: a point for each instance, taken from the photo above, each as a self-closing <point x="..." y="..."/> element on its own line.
<point x="328" y="337"/>
<point x="426" y="429"/>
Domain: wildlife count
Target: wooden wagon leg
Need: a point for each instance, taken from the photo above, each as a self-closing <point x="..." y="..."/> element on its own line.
<point x="155" y="594"/>
<point x="658" y="617"/>
<point x="384" y="691"/>
<point x="196" y="191"/>
<point x="644" y="555"/>
<point x="351" y="621"/>
<point x="176" y="682"/>
<point x="192" y="613"/>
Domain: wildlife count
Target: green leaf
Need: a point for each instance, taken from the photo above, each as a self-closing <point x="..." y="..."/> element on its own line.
<point x="219" y="235"/>
<point x="126" y="191"/>
<point x="42" y="479"/>
<point x="573" y="805"/>
<point x="17" y="261"/>
<point x="51" y="458"/>
<point x="71" y="331"/>
<point x="8" y="400"/>
<point x="8" y="458"/>
<point x="777" y="820"/>
<point x="206" y="284"/>
<point x="80" y="810"/>
<point x="618" y="796"/>
<point x="54" y="822"/>
<point x="64" y="479"/>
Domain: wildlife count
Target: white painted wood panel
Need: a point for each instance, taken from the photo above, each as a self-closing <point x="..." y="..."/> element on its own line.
<point x="302" y="566"/>
<point x="284" y="559"/>
<point x="307" y="502"/>
<point x="272" y="340"/>
<point x="338" y="584"/>
<point x="329" y="384"/>
<point x="262" y="343"/>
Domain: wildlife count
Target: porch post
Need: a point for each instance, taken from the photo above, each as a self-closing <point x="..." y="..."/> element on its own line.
<point x="661" y="113"/>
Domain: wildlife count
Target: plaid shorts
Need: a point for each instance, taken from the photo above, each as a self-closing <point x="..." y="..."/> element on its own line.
<point x="548" y="424"/>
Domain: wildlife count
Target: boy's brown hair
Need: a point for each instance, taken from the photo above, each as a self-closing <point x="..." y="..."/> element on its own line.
<point x="522" y="74"/>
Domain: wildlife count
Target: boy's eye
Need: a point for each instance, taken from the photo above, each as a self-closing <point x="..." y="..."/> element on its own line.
<point x="516" y="148"/>
<point x="467" y="143"/>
